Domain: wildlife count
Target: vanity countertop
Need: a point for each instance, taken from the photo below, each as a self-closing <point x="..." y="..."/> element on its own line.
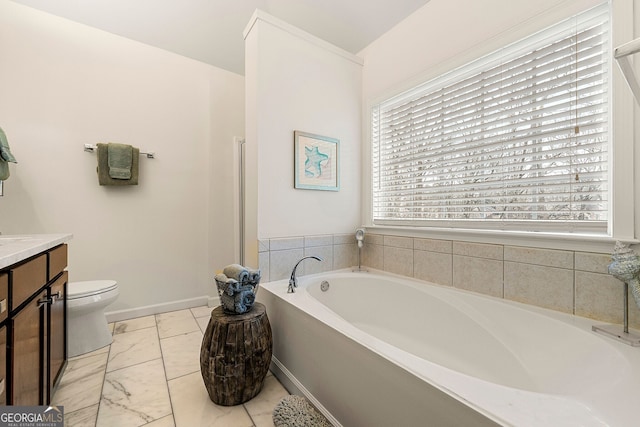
<point x="18" y="247"/>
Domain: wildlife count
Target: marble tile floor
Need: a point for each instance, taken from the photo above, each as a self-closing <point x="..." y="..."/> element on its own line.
<point x="150" y="376"/>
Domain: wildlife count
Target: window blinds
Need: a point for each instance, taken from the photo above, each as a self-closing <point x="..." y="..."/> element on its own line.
<point x="518" y="136"/>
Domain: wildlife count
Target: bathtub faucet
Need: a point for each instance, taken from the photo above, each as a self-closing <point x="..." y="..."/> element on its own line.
<point x="293" y="282"/>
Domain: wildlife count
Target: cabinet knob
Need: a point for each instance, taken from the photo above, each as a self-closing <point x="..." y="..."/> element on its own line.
<point x="55" y="296"/>
<point x="3" y="305"/>
<point x="44" y="301"/>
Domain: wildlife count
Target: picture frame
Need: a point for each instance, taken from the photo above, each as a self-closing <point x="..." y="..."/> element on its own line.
<point x="316" y="162"/>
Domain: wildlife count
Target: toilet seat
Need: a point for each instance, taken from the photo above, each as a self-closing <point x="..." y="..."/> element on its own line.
<point x="76" y="290"/>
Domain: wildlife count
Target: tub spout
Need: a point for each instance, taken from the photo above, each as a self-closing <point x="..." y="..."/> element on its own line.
<point x="293" y="282"/>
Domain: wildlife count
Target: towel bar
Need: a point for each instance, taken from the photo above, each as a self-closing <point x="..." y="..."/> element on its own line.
<point x="91" y="148"/>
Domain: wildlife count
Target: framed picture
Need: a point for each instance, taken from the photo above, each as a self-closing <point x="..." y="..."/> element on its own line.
<point x="316" y="162"/>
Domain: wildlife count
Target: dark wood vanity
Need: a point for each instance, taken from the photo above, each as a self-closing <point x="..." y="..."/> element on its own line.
<point x="33" y="327"/>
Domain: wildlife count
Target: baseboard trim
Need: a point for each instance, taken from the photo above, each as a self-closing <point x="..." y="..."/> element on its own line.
<point x="293" y="386"/>
<point x="148" y="310"/>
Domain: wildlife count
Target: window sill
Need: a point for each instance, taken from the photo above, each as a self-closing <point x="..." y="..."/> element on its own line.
<point x="583" y="242"/>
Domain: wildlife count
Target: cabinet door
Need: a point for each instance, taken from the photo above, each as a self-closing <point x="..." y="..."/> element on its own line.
<point x="57" y="336"/>
<point x="3" y="365"/>
<point x="28" y="353"/>
<point x="4" y="309"/>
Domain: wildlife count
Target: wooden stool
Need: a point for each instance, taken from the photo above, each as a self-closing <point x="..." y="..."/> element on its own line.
<point x="235" y="355"/>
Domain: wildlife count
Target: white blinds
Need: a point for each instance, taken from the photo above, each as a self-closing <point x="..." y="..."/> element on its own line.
<point x="520" y="136"/>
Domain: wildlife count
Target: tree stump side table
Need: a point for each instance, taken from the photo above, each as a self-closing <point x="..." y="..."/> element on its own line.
<point x="235" y="355"/>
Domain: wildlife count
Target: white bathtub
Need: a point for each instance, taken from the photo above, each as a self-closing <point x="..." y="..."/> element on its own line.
<point x="382" y="350"/>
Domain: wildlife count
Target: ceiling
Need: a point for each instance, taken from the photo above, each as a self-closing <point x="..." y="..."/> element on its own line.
<point x="211" y="30"/>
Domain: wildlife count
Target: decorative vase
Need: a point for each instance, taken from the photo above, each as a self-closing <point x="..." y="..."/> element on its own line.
<point x="625" y="266"/>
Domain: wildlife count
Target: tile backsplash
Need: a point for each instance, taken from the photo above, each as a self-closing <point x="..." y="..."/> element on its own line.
<point x="568" y="281"/>
<point x="278" y="256"/>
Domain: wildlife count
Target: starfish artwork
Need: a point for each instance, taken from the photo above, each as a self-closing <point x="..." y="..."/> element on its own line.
<point x="314" y="162"/>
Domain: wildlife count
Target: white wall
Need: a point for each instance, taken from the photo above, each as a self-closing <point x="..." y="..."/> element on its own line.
<point x="449" y="33"/>
<point x="63" y="85"/>
<point x="227" y="122"/>
<point x="297" y="82"/>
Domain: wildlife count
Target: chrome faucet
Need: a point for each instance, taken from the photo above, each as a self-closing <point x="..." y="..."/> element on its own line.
<point x="293" y="282"/>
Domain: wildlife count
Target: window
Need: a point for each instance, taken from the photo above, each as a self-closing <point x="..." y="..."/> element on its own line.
<point x="518" y="139"/>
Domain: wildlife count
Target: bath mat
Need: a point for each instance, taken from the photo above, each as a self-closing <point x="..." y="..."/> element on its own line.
<point x="296" y="411"/>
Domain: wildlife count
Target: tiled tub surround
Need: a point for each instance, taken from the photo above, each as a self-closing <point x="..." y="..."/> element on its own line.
<point x="568" y="281"/>
<point x="278" y="256"/>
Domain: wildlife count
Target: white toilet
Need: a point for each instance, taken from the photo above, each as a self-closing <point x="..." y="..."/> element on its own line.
<point x="87" y="328"/>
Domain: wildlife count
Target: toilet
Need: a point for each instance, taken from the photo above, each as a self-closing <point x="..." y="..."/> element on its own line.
<point x="87" y="328"/>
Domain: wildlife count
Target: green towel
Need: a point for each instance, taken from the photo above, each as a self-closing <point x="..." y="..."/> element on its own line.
<point x="4" y="170"/>
<point x="5" y="156"/>
<point x="120" y="157"/>
<point x="103" y="167"/>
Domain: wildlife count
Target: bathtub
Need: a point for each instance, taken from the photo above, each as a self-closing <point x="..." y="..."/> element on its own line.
<point x="382" y="350"/>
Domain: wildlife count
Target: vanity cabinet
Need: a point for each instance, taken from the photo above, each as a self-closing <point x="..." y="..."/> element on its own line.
<point x="28" y="369"/>
<point x="4" y="309"/>
<point x="56" y="331"/>
<point x="3" y="365"/>
<point x="35" y="327"/>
